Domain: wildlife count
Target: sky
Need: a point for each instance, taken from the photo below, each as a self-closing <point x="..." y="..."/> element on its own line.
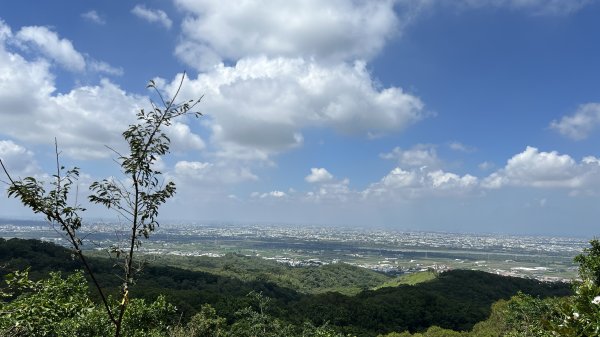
<point x="433" y="115"/>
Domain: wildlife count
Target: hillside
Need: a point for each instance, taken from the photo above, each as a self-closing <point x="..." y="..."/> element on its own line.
<point x="456" y="299"/>
<point x="338" y="277"/>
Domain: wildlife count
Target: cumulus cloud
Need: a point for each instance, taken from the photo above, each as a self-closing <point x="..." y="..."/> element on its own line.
<point x="486" y="165"/>
<point x="533" y="168"/>
<point x="399" y="178"/>
<point x="296" y="65"/>
<point x="332" y="190"/>
<point x="5" y="31"/>
<point x="52" y="46"/>
<point x="48" y="44"/>
<point x="183" y="139"/>
<point x="318" y="175"/>
<point x="334" y="30"/>
<point x="421" y="182"/>
<point x="84" y="119"/>
<point x="273" y="194"/>
<point x="581" y="124"/>
<point x="277" y="98"/>
<point x="195" y="172"/>
<point x="105" y="68"/>
<point x="458" y="146"/>
<point x="152" y="15"/>
<point x="94" y="17"/>
<point x="441" y="180"/>
<point x="17" y="159"/>
<point x="419" y="155"/>
<point x="74" y="118"/>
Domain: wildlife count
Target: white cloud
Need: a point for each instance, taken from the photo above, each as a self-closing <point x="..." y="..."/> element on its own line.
<point x="152" y="15"/>
<point x="591" y="160"/>
<point x="494" y="180"/>
<point x="486" y="165"/>
<point x="105" y="68"/>
<point x="94" y="17"/>
<point x="335" y="30"/>
<point x="579" y="125"/>
<point x="260" y="106"/>
<point x="49" y="44"/>
<point x="399" y="178"/>
<point x="458" y="146"/>
<point x="329" y="31"/>
<point x="5" y="31"/>
<point x="422" y="182"/>
<point x="45" y="42"/>
<point x="318" y="175"/>
<point x="182" y="138"/>
<point x="18" y="160"/>
<point x="194" y="172"/>
<point x="535" y="7"/>
<point x="269" y="195"/>
<point x="451" y="181"/>
<point x="419" y="155"/>
<point x="273" y="194"/>
<point x="337" y="191"/>
<point x="27" y="94"/>
<point x="192" y="168"/>
<point x="533" y="168"/>
<point x="83" y="120"/>
<point x="298" y="64"/>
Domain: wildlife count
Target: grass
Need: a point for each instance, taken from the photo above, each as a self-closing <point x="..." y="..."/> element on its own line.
<point x="409" y="279"/>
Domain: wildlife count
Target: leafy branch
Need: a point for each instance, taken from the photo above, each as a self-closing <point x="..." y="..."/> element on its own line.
<point x="136" y="199"/>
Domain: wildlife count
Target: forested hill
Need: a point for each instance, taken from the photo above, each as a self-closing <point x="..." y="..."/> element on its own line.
<point x="456" y="299"/>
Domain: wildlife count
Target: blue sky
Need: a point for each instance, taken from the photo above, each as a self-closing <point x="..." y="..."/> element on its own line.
<point x="459" y="115"/>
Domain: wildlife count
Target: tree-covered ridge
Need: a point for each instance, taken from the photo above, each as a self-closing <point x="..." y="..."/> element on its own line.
<point x="337" y="277"/>
<point x="455" y="300"/>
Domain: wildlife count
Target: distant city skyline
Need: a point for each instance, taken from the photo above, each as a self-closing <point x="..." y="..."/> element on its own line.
<point x="462" y="116"/>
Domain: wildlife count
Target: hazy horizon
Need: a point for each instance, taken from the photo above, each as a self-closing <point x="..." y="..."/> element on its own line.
<point x="175" y="223"/>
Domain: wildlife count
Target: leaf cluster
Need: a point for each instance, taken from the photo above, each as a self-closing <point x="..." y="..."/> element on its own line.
<point x="53" y="204"/>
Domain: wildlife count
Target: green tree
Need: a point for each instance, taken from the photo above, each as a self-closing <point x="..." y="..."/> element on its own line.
<point x="254" y="321"/>
<point x="580" y="314"/>
<point x="41" y="307"/>
<point x="529" y="316"/>
<point x="401" y="334"/>
<point x="205" y="323"/>
<point x="136" y="198"/>
<point x="58" y="306"/>
<point x="496" y="325"/>
<point x="325" y="330"/>
<point x="589" y="262"/>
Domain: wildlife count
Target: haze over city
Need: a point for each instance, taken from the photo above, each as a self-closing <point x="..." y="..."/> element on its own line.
<point x="462" y="116"/>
